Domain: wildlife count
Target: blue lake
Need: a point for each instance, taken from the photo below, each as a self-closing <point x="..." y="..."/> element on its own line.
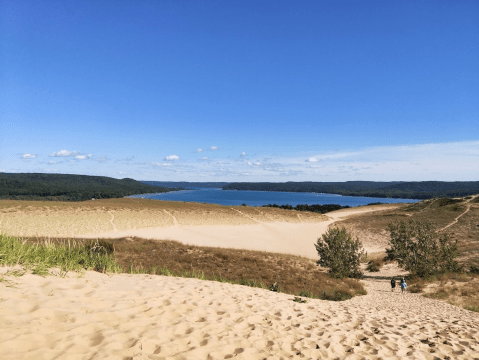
<point x="259" y="198"/>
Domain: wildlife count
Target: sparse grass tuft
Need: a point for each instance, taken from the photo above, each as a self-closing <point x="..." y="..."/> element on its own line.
<point x="299" y="300"/>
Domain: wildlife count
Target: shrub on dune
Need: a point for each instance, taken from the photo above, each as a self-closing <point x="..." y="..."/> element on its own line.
<point x="339" y="252"/>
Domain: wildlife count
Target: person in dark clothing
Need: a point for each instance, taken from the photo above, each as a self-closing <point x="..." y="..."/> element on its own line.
<point x="393" y="284"/>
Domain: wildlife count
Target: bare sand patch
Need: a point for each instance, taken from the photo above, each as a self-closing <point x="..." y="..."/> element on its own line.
<point x="158" y="317"/>
<point x="69" y="219"/>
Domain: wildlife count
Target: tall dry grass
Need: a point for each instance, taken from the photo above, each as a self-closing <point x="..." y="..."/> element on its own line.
<point x="285" y="273"/>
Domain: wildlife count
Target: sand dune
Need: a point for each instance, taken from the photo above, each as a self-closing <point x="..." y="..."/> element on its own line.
<point x="96" y="316"/>
<point x="157" y="317"/>
<point x="264" y="229"/>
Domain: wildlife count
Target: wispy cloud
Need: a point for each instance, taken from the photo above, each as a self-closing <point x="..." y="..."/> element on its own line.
<point x="199" y="150"/>
<point x="64" y="153"/>
<point x="171" y="158"/>
<point x="83" y="157"/>
<point x="101" y="159"/>
<point x="312" y="159"/>
<point x="162" y="164"/>
<point x="28" y="156"/>
<point x="213" y="148"/>
<point x="243" y="154"/>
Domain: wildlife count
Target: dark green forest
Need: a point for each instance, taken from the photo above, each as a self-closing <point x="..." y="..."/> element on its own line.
<point x="398" y="190"/>
<point x="185" y="184"/>
<point x="317" y="208"/>
<point x="62" y="187"/>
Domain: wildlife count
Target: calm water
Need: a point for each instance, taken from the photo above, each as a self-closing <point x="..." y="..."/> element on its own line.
<point x="259" y="198"/>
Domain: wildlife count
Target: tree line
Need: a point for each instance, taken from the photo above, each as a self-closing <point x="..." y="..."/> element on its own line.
<point x="396" y="189"/>
<point x="317" y="208"/>
<point x="64" y="187"/>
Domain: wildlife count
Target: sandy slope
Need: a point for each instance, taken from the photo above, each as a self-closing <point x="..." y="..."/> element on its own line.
<point x="157" y="317"/>
<point x="283" y="236"/>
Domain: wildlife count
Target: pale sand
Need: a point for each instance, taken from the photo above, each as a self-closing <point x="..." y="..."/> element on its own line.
<point x="157" y="317"/>
<point x="296" y="238"/>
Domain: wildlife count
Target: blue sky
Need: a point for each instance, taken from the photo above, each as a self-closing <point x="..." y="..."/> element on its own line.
<point x="241" y="90"/>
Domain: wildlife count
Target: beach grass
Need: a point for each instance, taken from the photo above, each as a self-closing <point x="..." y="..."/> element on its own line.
<point x="459" y="289"/>
<point x="284" y="273"/>
<point x="68" y="255"/>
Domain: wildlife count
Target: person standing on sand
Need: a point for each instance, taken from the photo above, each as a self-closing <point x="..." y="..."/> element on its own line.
<point x="393" y="284"/>
<point x="403" y="285"/>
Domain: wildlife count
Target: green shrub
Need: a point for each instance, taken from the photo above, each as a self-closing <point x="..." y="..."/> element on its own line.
<point x="340" y="253"/>
<point x="420" y="250"/>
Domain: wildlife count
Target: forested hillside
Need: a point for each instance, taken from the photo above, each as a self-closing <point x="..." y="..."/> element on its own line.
<point x="61" y="187"/>
<point x="398" y="190"/>
<point x="185" y="184"/>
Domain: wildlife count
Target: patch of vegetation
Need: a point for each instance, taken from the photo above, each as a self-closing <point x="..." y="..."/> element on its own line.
<point x="420" y="250"/>
<point x="292" y="274"/>
<point x="446" y="201"/>
<point x="375" y="265"/>
<point x="474" y="269"/>
<point x="340" y="253"/>
<point x="62" y="187"/>
<point x="321" y="209"/>
<point x="459" y="289"/>
<point x="69" y="256"/>
<point x="299" y="300"/>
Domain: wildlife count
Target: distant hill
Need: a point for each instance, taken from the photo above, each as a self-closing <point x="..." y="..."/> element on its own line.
<point x="398" y="190"/>
<point x="186" y="184"/>
<point x="62" y="187"/>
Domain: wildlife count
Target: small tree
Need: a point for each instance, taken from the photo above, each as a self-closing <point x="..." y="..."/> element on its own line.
<point x="420" y="250"/>
<point x="340" y="253"/>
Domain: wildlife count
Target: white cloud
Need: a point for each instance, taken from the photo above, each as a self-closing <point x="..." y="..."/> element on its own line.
<point x="28" y="156"/>
<point x="172" y="158"/>
<point x="198" y="150"/>
<point x="204" y="158"/>
<point x="213" y="148"/>
<point x="82" y="157"/>
<point x="312" y="159"/>
<point x="243" y="154"/>
<point x="64" y="153"/>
